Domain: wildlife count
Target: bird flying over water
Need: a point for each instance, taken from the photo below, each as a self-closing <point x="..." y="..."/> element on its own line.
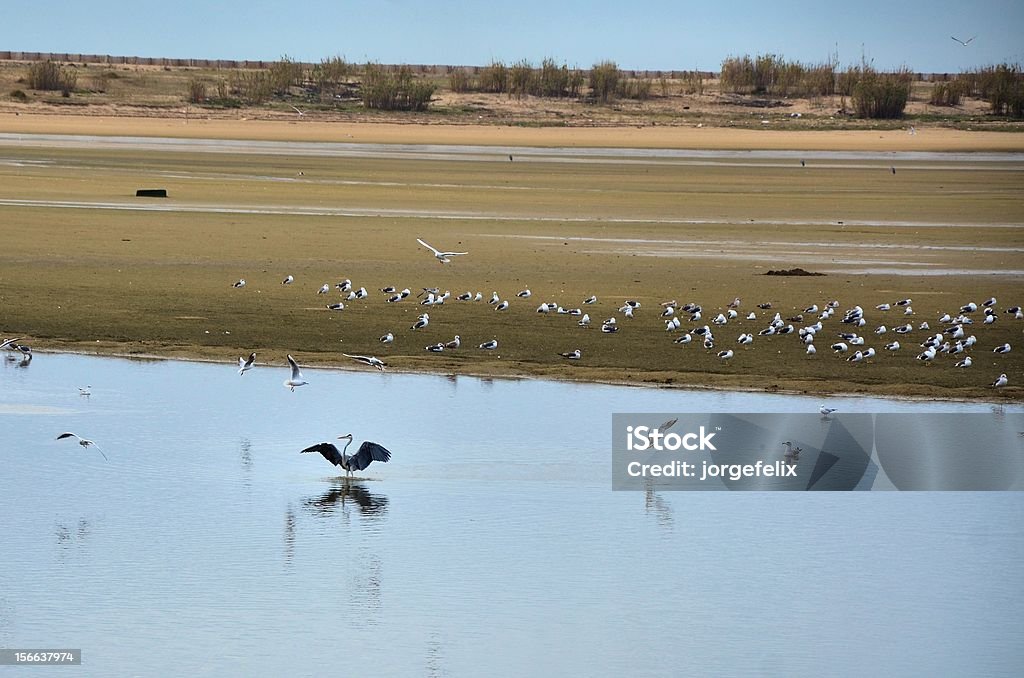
<point x="88" y="443"/>
<point x="245" y="364"/>
<point x="296" y="378"/>
<point x="368" y="453"/>
<point x="443" y="257"/>
<point x="370" y="360"/>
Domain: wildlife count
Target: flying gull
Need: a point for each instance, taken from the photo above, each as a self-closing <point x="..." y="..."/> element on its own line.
<point x="88" y="443"/>
<point x="296" y="378"/>
<point x="443" y="257"/>
<point x="370" y="360"/>
<point x="244" y="365"/>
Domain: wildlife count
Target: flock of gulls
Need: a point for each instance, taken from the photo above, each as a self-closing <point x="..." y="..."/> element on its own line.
<point x="849" y="336"/>
<point x="950" y="338"/>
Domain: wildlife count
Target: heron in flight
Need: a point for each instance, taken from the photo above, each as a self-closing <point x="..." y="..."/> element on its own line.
<point x="83" y="442"/>
<point x="443" y="257"/>
<point x="368" y="452"/>
<point x="296" y="378"/>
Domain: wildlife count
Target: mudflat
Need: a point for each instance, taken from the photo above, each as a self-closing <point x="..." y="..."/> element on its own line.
<point x="88" y="266"/>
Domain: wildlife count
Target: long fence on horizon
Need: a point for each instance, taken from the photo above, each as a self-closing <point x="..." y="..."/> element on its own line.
<point x="425" y="69"/>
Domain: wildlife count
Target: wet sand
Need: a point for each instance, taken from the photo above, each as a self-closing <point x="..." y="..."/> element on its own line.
<point x="88" y="267"/>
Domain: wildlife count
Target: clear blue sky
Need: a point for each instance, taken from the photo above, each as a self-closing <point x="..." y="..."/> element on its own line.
<point x="640" y="34"/>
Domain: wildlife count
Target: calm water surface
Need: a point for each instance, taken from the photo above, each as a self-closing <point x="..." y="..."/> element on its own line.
<point x="492" y="543"/>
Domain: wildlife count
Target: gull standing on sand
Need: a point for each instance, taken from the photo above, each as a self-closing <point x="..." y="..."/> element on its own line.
<point x="88" y="443"/>
<point x="239" y="284"/>
<point x="443" y="257"/>
<point x="245" y="364"/>
<point x="296" y="378"/>
<point x="387" y="338"/>
<point x="572" y="355"/>
<point x="998" y="383"/>
<point x="288" y="280"/>
<point x="489" y="345"/>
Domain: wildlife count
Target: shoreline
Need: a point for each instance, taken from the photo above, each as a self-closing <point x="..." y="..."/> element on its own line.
<point x="193" y="356"/>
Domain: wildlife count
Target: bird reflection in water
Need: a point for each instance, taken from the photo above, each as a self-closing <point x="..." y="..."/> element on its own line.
<point x="69" y="537"/>
<point x="345" y="494"/>
<point x="656" y="504"/>
<point x="289" y="535"/>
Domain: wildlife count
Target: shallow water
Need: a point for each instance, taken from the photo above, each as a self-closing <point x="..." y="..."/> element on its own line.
<point x="491" y="544"/>
<point x="490" y="153"/>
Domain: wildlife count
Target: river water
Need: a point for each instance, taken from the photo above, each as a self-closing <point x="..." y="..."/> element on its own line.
<point x="491" y="544"/>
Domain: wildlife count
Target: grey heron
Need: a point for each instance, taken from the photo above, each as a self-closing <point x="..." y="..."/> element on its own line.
<point x="88" y="443"/>
<point x="368" y="452"/>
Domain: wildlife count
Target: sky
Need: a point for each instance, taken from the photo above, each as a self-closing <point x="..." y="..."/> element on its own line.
<point x="638" y="34"/>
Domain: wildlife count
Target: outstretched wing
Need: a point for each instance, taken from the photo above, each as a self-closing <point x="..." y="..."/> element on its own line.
<point x="436" y="252"/>
<point x="368" y="452"/>
<point x="296" y="374"/>
<point x="328" y="450"/>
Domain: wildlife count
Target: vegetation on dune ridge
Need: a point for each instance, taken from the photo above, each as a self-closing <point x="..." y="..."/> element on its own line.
<point x="337" y="84"/>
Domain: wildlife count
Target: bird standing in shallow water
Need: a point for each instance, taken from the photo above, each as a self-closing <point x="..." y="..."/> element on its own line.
<point x="368" y="453"/>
